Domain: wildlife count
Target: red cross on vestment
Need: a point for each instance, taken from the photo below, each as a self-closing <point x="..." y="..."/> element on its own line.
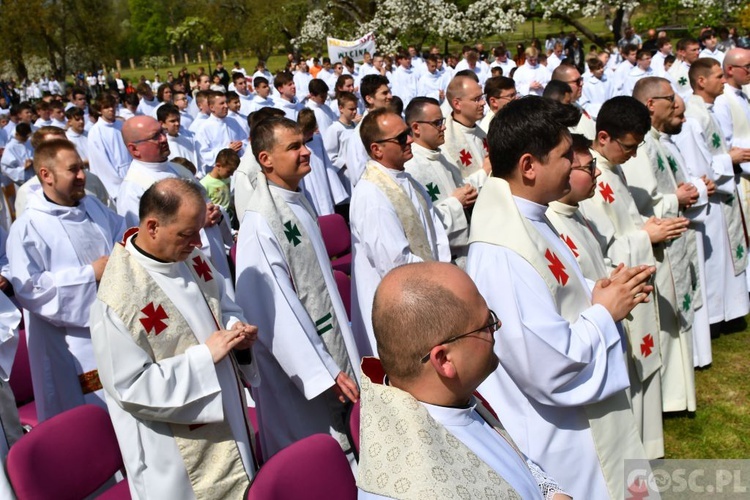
<point x="571" y="245"/>
<point x="154" y="319"/>
<point x="606" y="191"/>
<point x="557" y="267"/>
<point x="465" y="157"/>
<point x="202" y="269"/>
<point x="647" y="345"/>
<point x="486" y="146"/>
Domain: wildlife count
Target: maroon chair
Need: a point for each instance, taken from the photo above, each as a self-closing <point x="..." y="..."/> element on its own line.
<point x="313" y="468"/>
<point x="20" y="383"/>
<point x="344" y="284"/>
<point x="352" y="428"/>
<point x="252" y="416"/>
<point x="338" y="241"/>
<point x="68" y="456"/>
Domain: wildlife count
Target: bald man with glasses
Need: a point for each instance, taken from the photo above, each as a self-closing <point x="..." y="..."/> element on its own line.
<point x="434" y="353"/>
<point x="393" y="220"/>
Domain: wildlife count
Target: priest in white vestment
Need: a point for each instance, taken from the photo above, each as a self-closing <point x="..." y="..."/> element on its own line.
<point x="465" y="141"/>
<point x="393" y="221"/>
<point x="175" y="356"/>
<point x="108" y="156"/>
<point x="441" y="178"/>
<point x="58" y="250"/>
<point x="562" y="370"/>
<point x="703" y="142"/>
<point x="306" y="353"/>
<point x="432" y="358"/>
<point x="146" y="140"/>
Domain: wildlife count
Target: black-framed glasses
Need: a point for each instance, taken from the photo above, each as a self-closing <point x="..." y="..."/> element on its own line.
<point x="629" y="149"/>
<point x="577" y="81"/>
<point x="510" y="97"/>
<point x="435" y="123"/>
<point x="402" y="139"/>
<point x="154" y="138"/>
<point x="669" y="98"/>
<point x="493" y="326"/>
<point x="746" y="67"/>
<point x="476" y="99"/>
<point x="590" y="167"/>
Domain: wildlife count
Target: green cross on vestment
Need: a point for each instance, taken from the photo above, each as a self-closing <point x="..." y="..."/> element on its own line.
<point x="433" y="191"/>
<point x="715" y="140"/>
<point x="324" y="324"/>
<point x="730" y="199"/>
<point x="660" y="162"/>
<point x="672" y="164"/>
<point x="292" y="233"/>
<point x="682" y="81"/>
<point x="686" y="302"/>
<point x="740" y="251"/>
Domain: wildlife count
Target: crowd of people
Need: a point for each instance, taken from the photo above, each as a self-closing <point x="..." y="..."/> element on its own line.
<point x="563" y="232"/>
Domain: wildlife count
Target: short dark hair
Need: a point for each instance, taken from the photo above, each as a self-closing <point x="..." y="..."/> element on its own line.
<point x="74" y="112"/>
<point x="556" y="90"/>
<point x="227" y="157"/>
<point x="369" y="130"/>
<point x="165" y="203"/>
<point x="259" y="80"/>
<point x="661" y="42"/>
<point x="469" y="73"/>
<point x="282" y="78"/>
<point x="341" y="81"/>
<point x="318" y="87"/>
<point x="580" y="142"/>
<point x="23" y="129"/>
<point x="701" y="67"/>
<point x="415" y="109"/>
<point x="343" y="97"/>
<point x="706" y="35"/>
<point x="396" y="105"/>
<point x="494" y="86"/>
<point x="533" y="125"/>
<point x="623" y="115"/>
<point x="45" y="154"/>
<point x="307" y="121"/>
<point x="160" y="91"/>
<point x="236" y="75"/>
<point x="370" y="84"/>
<point x="684" y="43"/>
<point x="263" y="136"/>
<point x="165" y="111"/>
<point x="263" y="113"/>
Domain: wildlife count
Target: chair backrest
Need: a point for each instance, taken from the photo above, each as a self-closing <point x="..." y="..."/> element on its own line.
<point x="68" y="456"/>
<point x="344" y="284"/>
<point x="20" y="373"/>
<point x="336" y="234"/>
<point x="313" y="468"/>
<point x="353" y="428"/>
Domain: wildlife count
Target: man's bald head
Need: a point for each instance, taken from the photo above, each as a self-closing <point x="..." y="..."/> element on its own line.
<point x="416" y="307"/>
<point x="737" y="67"/>
<point x="133" y="130"/>
<point x="145" y="139"/>
<point x="459" y="87"/>
<point x="650" y="87"/>
<point x="164" y="198"/>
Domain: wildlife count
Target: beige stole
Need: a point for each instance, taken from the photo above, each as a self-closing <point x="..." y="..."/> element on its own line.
<point x="210" y="453"/>
<point x="306" y="274"/>
<point x="466" y="147"/>
<point x="497" y="221"/>
<point x="406" y="454"/>
<point x="642" y="325"/>
<point x="682" y="252"/>
<point x="415" y="232"/>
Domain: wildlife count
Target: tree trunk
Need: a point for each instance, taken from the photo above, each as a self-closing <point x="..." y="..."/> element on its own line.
<point x="585" y="30"/>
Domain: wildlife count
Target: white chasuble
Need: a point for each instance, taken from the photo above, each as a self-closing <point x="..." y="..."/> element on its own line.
<point x="467" y="148"/>
<point x="561" y="358"/>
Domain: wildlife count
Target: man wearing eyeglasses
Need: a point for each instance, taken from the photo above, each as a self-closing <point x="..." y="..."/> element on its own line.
<point x="441" y="178"/>
<point x="393" y="220"/>
<point x="465" y="141"/>
<point x="660" y="188"/>
<point x="732" y="110"/>
<point x="147" y="142"/>
<point x="432" y="358"/>
<point x="569" y="74"/>
<point x="498" y="91"/>
<point x="561" y="369"/>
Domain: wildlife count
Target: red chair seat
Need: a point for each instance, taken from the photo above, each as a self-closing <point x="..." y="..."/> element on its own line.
<point x="120" y="491"/>
<point x="27" y="415"/>
<point x="343" y="264"/>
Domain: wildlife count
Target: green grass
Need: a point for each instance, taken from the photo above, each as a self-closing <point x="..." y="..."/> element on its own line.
<point x="720" y="428"/>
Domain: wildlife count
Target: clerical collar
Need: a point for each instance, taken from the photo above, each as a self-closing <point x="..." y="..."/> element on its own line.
<point x="529" y="209"/>
<point x="282" y="188"/>
<point x="57" y="204"/>
<point x="472" y="127"/>
<point x="145" y="253"/>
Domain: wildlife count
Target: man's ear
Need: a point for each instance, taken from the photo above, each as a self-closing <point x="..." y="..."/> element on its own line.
<point x="527" y="166"/>
<point x="265" y="160"/>
<point x="151" y="226"/>
<point x="441" y="361"/>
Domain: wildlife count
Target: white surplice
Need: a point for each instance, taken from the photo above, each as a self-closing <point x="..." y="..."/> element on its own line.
<point x="214" y="135"/>
<point x="109" y="159"/>
<point x="322" y="185"/>
<point x="10" y="426"/>
<point x="297" y="370"/>
<point x="81" y="141"/>
<point x="14" y="158"/>
<point x="141" y="175"/>
<point x="549" y="368"/>
<point x="184" y="146"/>
<point x="379" y="244"/>
<point x="51" y="248"/>
<point x="144" y="397"/>
<point x="440" y="178"/>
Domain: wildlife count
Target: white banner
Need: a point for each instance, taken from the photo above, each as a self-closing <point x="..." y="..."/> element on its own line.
<point x="339" y="49"/>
